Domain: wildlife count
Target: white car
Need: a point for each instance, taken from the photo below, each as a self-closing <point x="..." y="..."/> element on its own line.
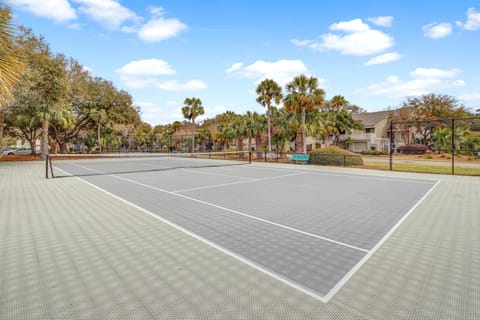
<point x="17" y="152"/>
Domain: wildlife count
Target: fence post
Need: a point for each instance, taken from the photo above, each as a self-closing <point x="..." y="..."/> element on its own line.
<point x="392" y="141"/>
<point x="453" y="146"/>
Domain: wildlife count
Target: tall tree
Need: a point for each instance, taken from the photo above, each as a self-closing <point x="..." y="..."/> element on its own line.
<point x="44" y="77"/>
<point x="192" y="109"/>
<point x="428" y="110"/>
<point x="303" y="96"/>
<point x="284" y="126"/>
<point x="267" y="91"/>
<point x="225" y="128"/>
<point x="338" y="102"/>
<point x="11" y="64"/>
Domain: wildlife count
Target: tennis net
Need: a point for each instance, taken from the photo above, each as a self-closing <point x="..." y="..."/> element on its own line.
<point x="64" y="165"/>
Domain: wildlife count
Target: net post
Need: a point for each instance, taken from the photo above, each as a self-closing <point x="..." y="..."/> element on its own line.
<point x="46" y="165"/>
<point x="51" y="167"/>
<point x="249" y="156"/>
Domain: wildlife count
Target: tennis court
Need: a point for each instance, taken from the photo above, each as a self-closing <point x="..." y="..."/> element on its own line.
<point x="310" y="230"/>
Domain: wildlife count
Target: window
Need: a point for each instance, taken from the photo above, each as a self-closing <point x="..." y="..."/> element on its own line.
<point x="370" y="130"/>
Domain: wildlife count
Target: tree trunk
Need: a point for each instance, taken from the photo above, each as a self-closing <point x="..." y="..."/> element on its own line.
<point x="44" y="144"/>
<point x="2" y="120"/>
<point x="63" y="147"/>
<point x="99" y="139"/>
<point x="193" y="137"/>
<point x="269" y="129"/>
<point x="299" y="141"/>
<point x="240" y="143"/>
<point x="258" y="143"/>
<point x="304" y="131"/>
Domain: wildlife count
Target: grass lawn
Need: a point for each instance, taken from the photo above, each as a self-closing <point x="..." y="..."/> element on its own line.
<point x="423" y="168"/>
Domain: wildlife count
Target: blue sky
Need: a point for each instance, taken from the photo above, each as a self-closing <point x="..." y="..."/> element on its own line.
<point x="375" y="53"/>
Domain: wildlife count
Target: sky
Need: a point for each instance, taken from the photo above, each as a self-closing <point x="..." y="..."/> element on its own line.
<point x="374" y="53"/>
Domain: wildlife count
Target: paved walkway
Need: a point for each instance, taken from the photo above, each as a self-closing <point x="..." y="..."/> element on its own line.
<point x="68" y="251"/>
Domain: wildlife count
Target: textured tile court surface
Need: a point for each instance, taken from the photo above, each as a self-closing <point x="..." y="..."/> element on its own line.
<point x="68" y="251"/>
<point x="270" y="216"/>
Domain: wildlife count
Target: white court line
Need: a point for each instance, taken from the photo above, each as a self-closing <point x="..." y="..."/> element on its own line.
<point x="232" y="254"/>
<point x="356" y="267"/>
<point x="322" y="171"/>
<point x="326" y="298"/>
<point x="238" y="182"/>
<point x="231" y="210"/>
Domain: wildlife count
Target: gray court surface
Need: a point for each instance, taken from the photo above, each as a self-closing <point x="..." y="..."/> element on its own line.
<point x="70" y="251"/>
<point x="308" y="228"/>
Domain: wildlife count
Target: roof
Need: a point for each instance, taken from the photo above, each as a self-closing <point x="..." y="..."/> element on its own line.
<point x="371" y="119"/>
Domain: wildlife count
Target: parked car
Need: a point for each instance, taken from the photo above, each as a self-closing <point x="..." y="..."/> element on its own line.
<point x="17" y="152"/>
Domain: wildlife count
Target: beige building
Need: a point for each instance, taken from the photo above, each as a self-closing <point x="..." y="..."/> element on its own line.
<point x="373" y="136"/>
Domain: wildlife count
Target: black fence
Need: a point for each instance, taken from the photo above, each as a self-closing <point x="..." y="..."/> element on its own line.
<point x="448" y="142"/>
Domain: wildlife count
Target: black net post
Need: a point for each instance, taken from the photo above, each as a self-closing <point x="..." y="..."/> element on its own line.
<point x="51" y="167"/>
<point x="453" y="146"/>
<point x="46" y="165"/>
<point x="250" y="156"/>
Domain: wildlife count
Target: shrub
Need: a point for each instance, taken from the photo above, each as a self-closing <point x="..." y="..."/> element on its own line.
<point x="413" y="149"/>
<point x="374" y="153"/>
<point x="334" y="156"/>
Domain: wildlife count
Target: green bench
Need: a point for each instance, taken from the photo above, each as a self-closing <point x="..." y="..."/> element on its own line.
<point x="300" y="157"/>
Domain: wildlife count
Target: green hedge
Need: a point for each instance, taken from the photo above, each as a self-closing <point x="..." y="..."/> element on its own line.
<point x="334" y="156"/>
<point x="374" y="153"/>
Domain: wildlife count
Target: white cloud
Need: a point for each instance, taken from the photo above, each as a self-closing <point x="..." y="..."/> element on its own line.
<point x="148" y="67"/>
<point x="57" y="10"/>
<point x="109" y="13"/>
<point x="160" y="114"/>
<point x="281" y="71"/>
<point x="159" y="28"/>
<point x="358" y="43"/>
<point x="148" y="73"/>
<point x="300" y="43"/>
<point x="424" y="80"/>
<point x="437" y="30"/>
<point x="473" y="96"/>
<point x="429" y="73"/>
<point x="173" y="85"/>
<point x="384" y="58"/>
<point x="473" y="20"/>
<point x="354" y="37"/>
<point x="235" y="67"/>
<point x="355" y="25"/>
<point x="382" y="21"/>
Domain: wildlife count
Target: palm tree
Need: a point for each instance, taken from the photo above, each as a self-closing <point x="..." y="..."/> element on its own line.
<point x="284" y="127"/>
<point x="268" y="90"/>
<point x="251" y="125"/>
<point x="11" y="64"/>
<point x="338" y="102"/>
<point x="100" y="117"/>
<point x="192" y="109"/>
<point x="225" y="131"/>
<point x="304" y="95"/>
